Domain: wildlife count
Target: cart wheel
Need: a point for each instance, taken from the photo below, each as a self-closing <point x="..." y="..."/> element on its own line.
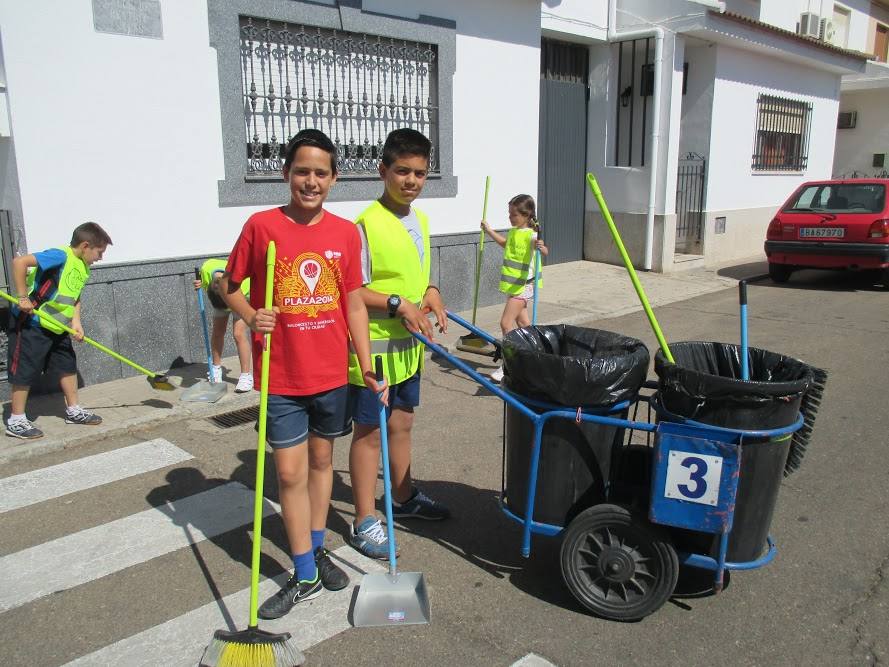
<point x="617" y="566"/>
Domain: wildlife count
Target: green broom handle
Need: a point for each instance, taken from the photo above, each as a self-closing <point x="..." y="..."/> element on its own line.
<point x="597" y="193"/>
<point x="481" y="249"/>
<point x="260" y="442"/>
<point x="86" y="339"/>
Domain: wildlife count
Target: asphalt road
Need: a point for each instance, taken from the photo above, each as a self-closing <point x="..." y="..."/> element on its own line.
<point x="823" y="601"/>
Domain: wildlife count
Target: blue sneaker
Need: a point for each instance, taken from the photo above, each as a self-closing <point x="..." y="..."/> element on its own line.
<point x="369" y="537"/>
<point x="421" y="506"/>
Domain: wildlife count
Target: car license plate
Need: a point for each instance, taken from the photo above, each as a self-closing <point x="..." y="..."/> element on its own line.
<point x="821" y="232"/>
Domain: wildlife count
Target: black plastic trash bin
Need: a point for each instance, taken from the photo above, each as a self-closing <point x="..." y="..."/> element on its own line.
<point x="704" y="384"/>
<point x="571" y="367"/>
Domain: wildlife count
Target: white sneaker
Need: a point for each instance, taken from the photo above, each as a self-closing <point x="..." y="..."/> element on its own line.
<point x="245" y="383"/>
<point x="216" y="375"/>
<point x="497" y="375"/>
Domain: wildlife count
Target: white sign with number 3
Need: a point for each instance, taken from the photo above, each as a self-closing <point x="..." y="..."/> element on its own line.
<point x="693" y="477"/>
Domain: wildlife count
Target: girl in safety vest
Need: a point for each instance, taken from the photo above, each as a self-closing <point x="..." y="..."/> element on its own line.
<point x="517" y="273"/>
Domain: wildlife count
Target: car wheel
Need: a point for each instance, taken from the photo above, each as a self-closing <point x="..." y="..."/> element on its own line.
<point x="884" y="278"/>
<point x="780" y="273"/>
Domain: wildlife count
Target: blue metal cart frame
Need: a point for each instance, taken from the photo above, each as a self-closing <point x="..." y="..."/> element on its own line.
<point x="682" y="446"/>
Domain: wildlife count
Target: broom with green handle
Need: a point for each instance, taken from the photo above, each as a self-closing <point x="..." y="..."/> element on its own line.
<point x="597" y="193"/>
<point x="254" y="647"/>
<point x="471" y="342"/>
<point x="156" y="380"/>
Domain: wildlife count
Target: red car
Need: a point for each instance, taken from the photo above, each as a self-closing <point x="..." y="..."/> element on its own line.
<point x="842" y="224"/>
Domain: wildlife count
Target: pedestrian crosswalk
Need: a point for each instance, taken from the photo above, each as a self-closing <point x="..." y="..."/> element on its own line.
<point x="81" y="558"/>
<point x="86" y="473"/>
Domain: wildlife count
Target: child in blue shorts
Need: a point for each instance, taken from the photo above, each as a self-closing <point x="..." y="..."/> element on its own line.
<point x="317" y="313"/>
<point x="50" y="282"/>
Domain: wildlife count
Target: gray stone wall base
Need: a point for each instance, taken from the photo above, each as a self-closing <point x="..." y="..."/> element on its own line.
<point x="148" y="311"/>
<point x="599" y="246"/>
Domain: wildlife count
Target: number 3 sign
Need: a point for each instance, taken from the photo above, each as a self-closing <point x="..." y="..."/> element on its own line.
<point x="693" y="477"/>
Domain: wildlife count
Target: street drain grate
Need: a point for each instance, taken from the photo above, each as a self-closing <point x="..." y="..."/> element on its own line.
<point x="235" y="417"/>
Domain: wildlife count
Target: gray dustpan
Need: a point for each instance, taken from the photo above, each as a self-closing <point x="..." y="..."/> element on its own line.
<point x="204" y="391"/>
<point x="390" y="598"/>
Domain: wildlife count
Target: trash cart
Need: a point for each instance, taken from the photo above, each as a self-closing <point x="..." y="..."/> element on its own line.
<point x="704" y="385"/>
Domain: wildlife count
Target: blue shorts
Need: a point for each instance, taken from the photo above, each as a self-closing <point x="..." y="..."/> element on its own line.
<point x="366" y="406"/>
<point x="291" y="418"/>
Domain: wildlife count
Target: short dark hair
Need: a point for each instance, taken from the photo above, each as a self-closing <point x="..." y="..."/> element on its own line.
<point x="91" y="233"/>
<point x="310" y="137"/>
<point x="216" y="299"/>
<point x="405" y="141"/>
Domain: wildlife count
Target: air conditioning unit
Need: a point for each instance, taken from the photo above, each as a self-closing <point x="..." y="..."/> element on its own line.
<point x="827" y="31"/>
<point x="846" y="120"/>
<point x="809" y="25"/>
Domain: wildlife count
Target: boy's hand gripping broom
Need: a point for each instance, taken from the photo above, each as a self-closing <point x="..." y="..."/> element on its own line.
<point x="254" y="647"/>
<point x="472" y="342"/>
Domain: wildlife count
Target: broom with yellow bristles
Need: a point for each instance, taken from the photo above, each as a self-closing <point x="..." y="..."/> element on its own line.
<point x="254" y="647"/>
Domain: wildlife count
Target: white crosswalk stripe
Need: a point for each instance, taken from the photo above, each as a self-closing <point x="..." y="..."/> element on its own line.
<point x="87" y="473"/>
<point x="181" y="641"/>
<point x="96" y="552"/>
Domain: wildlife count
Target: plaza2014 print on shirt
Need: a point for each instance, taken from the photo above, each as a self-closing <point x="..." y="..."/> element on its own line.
<point x="307" y="285"/>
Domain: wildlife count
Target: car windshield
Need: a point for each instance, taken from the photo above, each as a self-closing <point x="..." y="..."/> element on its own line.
<point x="840" y="198"/>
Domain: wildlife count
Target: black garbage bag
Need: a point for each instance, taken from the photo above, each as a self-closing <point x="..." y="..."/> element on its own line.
<point x="574" y="366"/>
<point x="704" y="384"/>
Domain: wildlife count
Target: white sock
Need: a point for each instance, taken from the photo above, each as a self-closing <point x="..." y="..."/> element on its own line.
<point x="73" y="409"/>
<point x="17" y="418"/>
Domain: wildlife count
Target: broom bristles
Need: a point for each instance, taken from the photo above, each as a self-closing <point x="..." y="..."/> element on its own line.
<point x="252" y="648"/>
<point x="809" y="407"/>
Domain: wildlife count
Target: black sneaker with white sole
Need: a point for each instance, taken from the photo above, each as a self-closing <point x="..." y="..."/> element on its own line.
<point x="333" y="577"/>
<point x="81" y="416"/>
<point x="23" y="429"/>
<point x="291" y="594"/>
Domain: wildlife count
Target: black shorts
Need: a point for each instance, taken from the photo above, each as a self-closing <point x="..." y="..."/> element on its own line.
<point x="34" y="350"/>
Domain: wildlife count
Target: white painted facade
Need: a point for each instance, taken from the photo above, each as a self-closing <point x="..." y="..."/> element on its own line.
<point x="731" y="63"/>
<point x="126" y="130"/>
<point x="866" y="94"/>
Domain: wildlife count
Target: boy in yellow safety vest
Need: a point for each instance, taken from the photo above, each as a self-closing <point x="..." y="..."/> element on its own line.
<point x="49" y="281"/>
<point x="397" y="293"/>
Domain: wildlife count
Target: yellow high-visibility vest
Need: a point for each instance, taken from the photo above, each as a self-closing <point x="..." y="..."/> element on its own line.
<point x="212" y="266"/>
<point x="518" y="261"/>
<point x="396" y="269"/>
<point x="60" y="307"/>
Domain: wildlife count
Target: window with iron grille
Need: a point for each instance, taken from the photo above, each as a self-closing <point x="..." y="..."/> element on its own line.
<point x="354" y="73"/>
<point x="354" y="87"/>
<point x="782" y="134"/>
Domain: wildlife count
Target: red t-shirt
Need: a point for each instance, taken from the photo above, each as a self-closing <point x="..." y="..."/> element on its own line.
<point x="316" y="267"/>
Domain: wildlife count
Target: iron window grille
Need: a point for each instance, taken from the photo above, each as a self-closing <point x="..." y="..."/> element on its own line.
<point x="354" y="87"/>
<point x="782" y="134"/>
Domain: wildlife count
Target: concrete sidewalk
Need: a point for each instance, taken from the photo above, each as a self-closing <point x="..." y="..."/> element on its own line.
<point x="573" y="293"/>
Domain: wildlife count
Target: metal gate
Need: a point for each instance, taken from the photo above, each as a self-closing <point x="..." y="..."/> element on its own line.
<point x="564" y="94"/>
<point x="690" y="203"/>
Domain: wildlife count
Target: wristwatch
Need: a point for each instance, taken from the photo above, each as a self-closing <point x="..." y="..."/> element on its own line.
<point x="392" y="304"/>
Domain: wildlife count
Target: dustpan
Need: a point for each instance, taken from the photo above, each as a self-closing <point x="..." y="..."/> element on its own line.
<point x="205" y="391"/>
<point x="393" y="597"/>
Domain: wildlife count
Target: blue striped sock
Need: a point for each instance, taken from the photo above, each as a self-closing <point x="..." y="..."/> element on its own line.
<point x="304" y="566"/>
<point x="318" y="538"/>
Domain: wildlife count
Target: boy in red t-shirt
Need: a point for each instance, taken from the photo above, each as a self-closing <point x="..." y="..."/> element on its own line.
<point x="317" y="309"/>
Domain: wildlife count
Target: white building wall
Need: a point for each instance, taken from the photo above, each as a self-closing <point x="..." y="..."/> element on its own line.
<point x="856" y="146"/>
<point x="126" y="131"/>
<point x="574" y="20"/>
<point x="746" y="198"/>
<point x="786" y="14"/>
